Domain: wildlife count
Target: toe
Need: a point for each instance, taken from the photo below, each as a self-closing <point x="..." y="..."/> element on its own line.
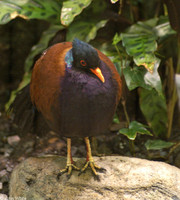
<point x="101" y="170"/>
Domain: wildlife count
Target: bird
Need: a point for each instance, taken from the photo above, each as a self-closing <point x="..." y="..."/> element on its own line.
<point x="76" y="88"/>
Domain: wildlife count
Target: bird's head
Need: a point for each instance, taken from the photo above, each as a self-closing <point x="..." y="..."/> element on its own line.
<point x="86" y="57"/>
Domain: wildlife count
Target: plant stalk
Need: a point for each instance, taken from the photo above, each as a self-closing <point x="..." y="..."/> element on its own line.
<point x="172" y="104"/>
<point x="125" y="110"/>
<point x="174" y="98"/>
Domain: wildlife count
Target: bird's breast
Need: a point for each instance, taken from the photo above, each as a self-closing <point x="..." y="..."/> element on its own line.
<point x="86" y="105"/>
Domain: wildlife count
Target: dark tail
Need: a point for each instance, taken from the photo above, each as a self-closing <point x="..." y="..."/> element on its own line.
<point x="26" y="116"/>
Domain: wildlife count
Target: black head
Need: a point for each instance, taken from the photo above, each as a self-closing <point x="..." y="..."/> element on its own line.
<point x="84" y="55"/>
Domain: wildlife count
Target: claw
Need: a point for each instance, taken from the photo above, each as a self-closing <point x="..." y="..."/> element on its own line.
<point x="68" y="169"/>
<point x="93" y="166"/>
<point x="90" y="162"/>
<point x="69" y="166"/>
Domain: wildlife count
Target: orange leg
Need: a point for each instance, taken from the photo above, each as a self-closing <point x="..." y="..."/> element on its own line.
<point x="89" y="160"/>
<point x="69" y="165"/>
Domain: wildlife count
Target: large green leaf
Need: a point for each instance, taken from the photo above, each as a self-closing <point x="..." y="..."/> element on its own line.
<point x="163" y="30"/>
<point x="140" y="40"/>
<point x="140" y="43"/>
<point x="139" y="77"/>
<point x="133" y="129"/>
<point x="72" y="8"/>
<point x="145" y="27"/>
<point x="142" y="47"/>
<point x="135" y="77"/>
<point x="157" y="144"/>
<point x="153" y="106"/>
<point x="30" y="9"/>
<point x="6" y="11"/>
<point x="84" y="30"/>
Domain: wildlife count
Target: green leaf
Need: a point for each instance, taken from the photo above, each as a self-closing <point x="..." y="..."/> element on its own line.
<point x="71" y="9"/>
<point x="140" y="43"/>
<point x="114" y="1"/>
<point x="6" y="11"/>
<point x="134" y="128"/>
<point x="142" y="47"/>
<point x="116" y="119"/>
<point x="164" y="30"/>
<point x="135" y="77"/>
<point x="84" y="30"/>
<point x="154" y="79"/>
<point x="140" y="77"/>
<point x="42" y="9"/>
<point x="154" y="109"/>
<point x="116" y="39"/>
<point x="17" y="2"/>
<point x="140" y="40"/>
<point x="157" y="144"/>
<point x="30" y="9"/>
<point x="145" y="27"/>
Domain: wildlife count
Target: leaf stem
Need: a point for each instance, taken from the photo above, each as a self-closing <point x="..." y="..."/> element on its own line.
<point x="172" y="104"/>
<point x="178" y="56"/>
<point x="131" y="10"/>
<point x="173" y="100"/>
<point x="120" y="7"/>
<point x="132" y="147"/>
<point x="121" y="58"/>
<point x="123" y="102"/>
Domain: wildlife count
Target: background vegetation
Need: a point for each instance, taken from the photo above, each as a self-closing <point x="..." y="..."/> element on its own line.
<point x="141" y="37"/>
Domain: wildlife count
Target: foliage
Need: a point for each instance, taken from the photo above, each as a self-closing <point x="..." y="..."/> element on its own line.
<point x="140" y="42"/>
<point x="85" y="30"/>
<point x="30" y="9"/>
<point x="157" y="117"/>
<point x="71" y="9"/>
<point x="157" y="144"/>
<point x="135" y="39"/>
<point x="133" y="129"/>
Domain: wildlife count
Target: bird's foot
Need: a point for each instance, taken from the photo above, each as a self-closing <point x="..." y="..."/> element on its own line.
<point x="94" y="167"/>
<point x="68" y="169"/>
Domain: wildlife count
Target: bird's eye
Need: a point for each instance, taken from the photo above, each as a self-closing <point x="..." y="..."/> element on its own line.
<point x="83" y="63"/>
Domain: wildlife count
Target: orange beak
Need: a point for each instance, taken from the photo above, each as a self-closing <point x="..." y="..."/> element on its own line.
<point x="98" y="73"/>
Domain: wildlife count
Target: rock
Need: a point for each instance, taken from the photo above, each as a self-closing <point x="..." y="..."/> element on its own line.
<point x="3" y="197"/>
<point x="125" y="179"/>
<point x="3" y="173"/>
<point x="13" y="140"/>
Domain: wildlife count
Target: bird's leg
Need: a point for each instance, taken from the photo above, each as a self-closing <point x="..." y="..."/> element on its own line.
<point x="89" y="160"/>
<point x="69" y="165"/>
